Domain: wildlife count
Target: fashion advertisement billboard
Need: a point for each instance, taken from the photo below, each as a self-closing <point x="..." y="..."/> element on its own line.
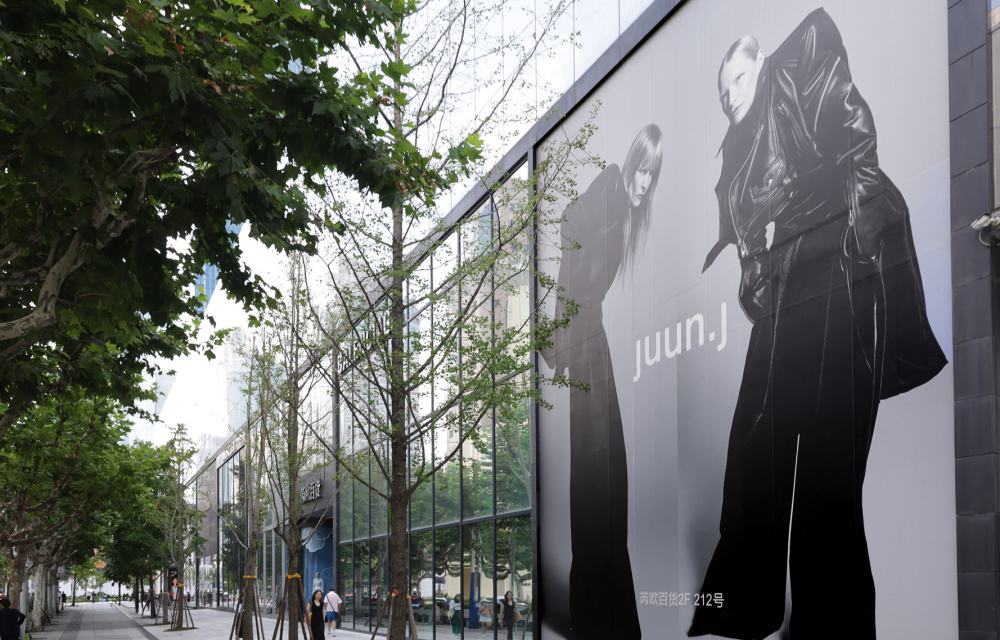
<point x="763" y="442"/>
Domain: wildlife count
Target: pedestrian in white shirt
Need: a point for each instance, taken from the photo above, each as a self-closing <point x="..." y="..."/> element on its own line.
<point x="331" y="607"/>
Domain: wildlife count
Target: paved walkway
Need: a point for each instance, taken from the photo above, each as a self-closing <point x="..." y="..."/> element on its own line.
<point x="105" y="621"/>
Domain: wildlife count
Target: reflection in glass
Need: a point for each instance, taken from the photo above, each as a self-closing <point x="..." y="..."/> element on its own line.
<point x="278" y="551"/>
<point x="362" y="592"/>
<point x="446" y="481"/>
<point x="206" y="581"/>
<point x="513" y="444"/>
<point x="379" y="507"/>
<point x="346" y="513"/>
<point x="361" y="516"/>
<point x="379" y="577"/>
<point x="447" y="580"/>
<point x="477" y="462"/>
<point x="346" y="588"/>
<point x="477" y="574"/>
<point x="421" y="513"/>
<point x="232" y="529"/>
<point x="445" y="260"/>
<point x="266" y="575"/>
<point x="514" y="570"/>
<point x="425" y="609"/>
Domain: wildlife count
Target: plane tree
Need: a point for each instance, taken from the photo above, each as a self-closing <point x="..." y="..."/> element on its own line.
<point x="133" y="135"/>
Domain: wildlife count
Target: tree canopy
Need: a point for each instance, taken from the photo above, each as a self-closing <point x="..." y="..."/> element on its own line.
<point x="131" y="133"/>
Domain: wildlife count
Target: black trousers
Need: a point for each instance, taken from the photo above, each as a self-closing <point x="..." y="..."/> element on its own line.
<point x="601" y="591"/>
<point x="798" y="453"/>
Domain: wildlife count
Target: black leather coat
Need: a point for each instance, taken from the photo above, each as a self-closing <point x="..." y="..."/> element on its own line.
<point x="805" y="157"/>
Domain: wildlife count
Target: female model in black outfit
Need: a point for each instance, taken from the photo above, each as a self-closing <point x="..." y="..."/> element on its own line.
<point x="609" y="222"/>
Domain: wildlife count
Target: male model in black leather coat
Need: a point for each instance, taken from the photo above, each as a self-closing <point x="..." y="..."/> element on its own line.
<point x="831" y="283"/>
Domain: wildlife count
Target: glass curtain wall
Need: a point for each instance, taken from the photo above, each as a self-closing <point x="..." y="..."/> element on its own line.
<point x="270" y="571"/>
<point x="232" y="530"/>
<point x="470" y="525"/>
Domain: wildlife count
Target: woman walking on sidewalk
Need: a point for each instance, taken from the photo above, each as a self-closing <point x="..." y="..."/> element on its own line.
<point x="316" y="615"/>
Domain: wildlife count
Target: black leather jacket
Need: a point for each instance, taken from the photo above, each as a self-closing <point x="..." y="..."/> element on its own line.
<point x="806" y="150"/>
<point x="805" y="155"/>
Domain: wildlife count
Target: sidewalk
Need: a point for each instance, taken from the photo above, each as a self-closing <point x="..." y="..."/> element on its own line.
<point x="210" y="624"/>
<point x="105" y="621"/>
<point x="91" y="621"/>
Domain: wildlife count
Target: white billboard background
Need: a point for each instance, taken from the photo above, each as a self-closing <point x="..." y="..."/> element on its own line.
<point x="677" y="415"/>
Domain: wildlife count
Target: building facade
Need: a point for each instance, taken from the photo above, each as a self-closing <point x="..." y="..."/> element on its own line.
<point x="796" y="434"/>
<point x="742" y="458"/>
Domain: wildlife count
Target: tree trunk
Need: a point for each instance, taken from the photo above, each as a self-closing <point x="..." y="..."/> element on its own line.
<point x="38" y="611"/>
<point x="152" y="600"/>
<point x="16" y="575"/>
<point x="295" y="604"/>
<point x="250" y="598"/>
<point x="398" y="495"/>
<point x="178" y="622"/>
<point x="136" y="597"/>
<point x="398" y="579"/>
<point x="250" y="561"/>
<point x="53" y="593"/>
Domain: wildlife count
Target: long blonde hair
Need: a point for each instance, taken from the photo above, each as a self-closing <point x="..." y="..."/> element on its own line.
<point x="646" y="153"/>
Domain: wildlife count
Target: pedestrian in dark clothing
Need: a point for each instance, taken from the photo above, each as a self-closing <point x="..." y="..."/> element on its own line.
<point x="509" y="613"/>
<point x="10" y="621"/>
<point x="315" y="614"/>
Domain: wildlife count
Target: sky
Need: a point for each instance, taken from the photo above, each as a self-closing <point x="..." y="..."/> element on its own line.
<point x="197" y="397"/>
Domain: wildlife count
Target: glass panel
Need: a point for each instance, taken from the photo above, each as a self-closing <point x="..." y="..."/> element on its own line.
<point x="206" y="582"/>
<point x="420" y="342"/>
<point x="362" y="593"/>
<point x="346" y="512"/>
<point x="379" y="583"/>
<point x="346" y="588"/>
<point x="420" y="502"/>
<point x="267" y="579"/>
<point x="514" y="574"/>
<point x="232" y="529"/>
<point x="422" y="598"/>
<point x="513" y="444"/>
<point x="511" y="276"/>
<point x="360" y="510"/>
<point x="379" y="507"/>
<point x="448" y="581"/>
<point x="446" y="369"/>
<point x="445" y="261"/>
<point x="213" y="600"/>
<point x="261" y="571"/>
<point x="477" y="339"/>
<point x="477" y="462"/>
<point x="512" y="312"/>
<point x="477" y="575"/>
<point x="278" y="588"/>
<point x="446" y="481"/>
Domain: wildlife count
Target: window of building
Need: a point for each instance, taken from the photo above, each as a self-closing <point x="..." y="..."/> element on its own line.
<point x="470" y="524"/>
